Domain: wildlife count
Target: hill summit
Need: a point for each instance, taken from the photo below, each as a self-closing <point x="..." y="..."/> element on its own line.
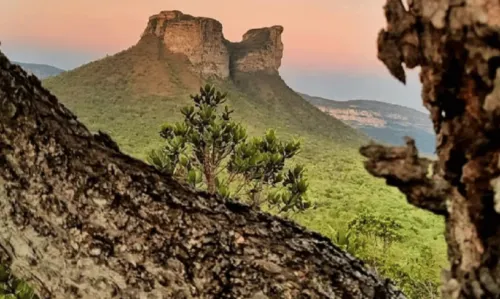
<point x="130" y="94"/>
<point x="202" y="41"/>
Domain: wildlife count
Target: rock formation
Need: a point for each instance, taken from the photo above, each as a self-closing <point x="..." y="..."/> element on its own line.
<point x="260" y="50"/>
<point x="202" y="41"/>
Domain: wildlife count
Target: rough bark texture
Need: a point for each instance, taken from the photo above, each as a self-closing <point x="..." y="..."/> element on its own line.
<point x="457" y="45"/>
<point x="79" y="219"/>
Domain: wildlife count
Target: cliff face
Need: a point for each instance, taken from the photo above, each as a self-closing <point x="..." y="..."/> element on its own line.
<point x="382" y="121"/>
<point x="202" y="41"/>
<point x="260" y="50"/>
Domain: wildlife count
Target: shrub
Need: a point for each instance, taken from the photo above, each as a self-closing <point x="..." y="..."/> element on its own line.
<point x="209" y="150"/>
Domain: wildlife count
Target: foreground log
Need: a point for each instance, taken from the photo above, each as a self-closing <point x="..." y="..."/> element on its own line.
<point x="457" y="45"/>
<point x="79" y="219"/>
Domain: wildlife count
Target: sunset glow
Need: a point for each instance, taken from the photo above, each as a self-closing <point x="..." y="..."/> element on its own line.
<point x="329" y="45"/>
<point x="318" y="33"/>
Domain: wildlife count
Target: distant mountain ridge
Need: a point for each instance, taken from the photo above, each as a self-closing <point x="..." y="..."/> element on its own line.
<point x="388" y="123"/>
<point x="42" y="71"/>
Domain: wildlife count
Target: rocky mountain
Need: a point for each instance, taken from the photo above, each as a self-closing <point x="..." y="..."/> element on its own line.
<point x="202" y="41"/>
<point x="385" y="122"/>
<point x="42" y="71"/>
<point x="145" y="85"/>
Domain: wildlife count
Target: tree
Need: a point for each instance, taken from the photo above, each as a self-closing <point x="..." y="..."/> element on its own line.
<point x="456" y="44"/>
<point x="209" y="147"/>
<point x="78" y="218"/>
<point x="384" y="228"/>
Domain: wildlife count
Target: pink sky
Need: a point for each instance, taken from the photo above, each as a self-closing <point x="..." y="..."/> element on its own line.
<point x="330" y="45"/>
<point x="318" y="33"/>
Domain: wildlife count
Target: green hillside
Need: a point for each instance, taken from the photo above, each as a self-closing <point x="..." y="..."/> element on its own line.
<point x="129" y="95"/>
<point x="138" y="89"/>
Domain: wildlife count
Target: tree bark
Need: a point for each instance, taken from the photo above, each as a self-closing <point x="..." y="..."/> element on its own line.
<point x="80" y="219"/>
<point x="457" y="45"/>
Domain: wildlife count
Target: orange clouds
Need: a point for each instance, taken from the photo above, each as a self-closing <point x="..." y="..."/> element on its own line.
<point x="318" y="33"/>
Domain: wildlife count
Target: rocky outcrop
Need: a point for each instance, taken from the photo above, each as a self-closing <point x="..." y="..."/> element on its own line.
<point x="362" y="117"/>
<point x="260" y="50"/>
<point x="384" y="122"/>
<point x="202" y="41"/>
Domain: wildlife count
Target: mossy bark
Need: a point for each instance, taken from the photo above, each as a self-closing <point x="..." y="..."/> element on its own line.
<point x="80" y="219"/>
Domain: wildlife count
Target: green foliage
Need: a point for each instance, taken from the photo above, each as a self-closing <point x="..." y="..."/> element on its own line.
<point x="362" y="238"/>
<point x="13" y="288"/>
<point x="348" y="241"/>
<point x="385" y="228"/>
<point x="209" y="148"/>
<point x="415" y="279"/>
<point x="293" y="195"/>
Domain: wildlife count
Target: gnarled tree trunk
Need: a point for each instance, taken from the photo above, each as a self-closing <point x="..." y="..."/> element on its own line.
<point x="79" y="219"/>
<point x="457" y="45"/>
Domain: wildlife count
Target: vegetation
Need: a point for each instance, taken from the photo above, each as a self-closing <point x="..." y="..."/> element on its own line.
<point x="209" y="147"/>
<point x="127" y="96"/>
<point x="13" y="288"/>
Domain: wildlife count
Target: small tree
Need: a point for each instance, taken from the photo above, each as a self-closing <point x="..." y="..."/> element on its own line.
<point x="384" y="228"/>
<point x="208" y="149"/>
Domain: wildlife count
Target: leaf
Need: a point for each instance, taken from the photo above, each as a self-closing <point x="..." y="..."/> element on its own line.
<point x="4" y="274"/>
<point x="302" y="186"/>
<point x="193" y="177"/>
<point x="24" y="291"/>
<point x="183" y="160"/>
<point x="279" y="178"/>
<point x="223" y="190"/>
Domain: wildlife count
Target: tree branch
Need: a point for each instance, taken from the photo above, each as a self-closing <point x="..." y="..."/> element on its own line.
<point x="402" y="168"/>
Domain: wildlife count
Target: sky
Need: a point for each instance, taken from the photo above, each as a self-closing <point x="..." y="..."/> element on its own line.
<point x="330" y="45"/>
